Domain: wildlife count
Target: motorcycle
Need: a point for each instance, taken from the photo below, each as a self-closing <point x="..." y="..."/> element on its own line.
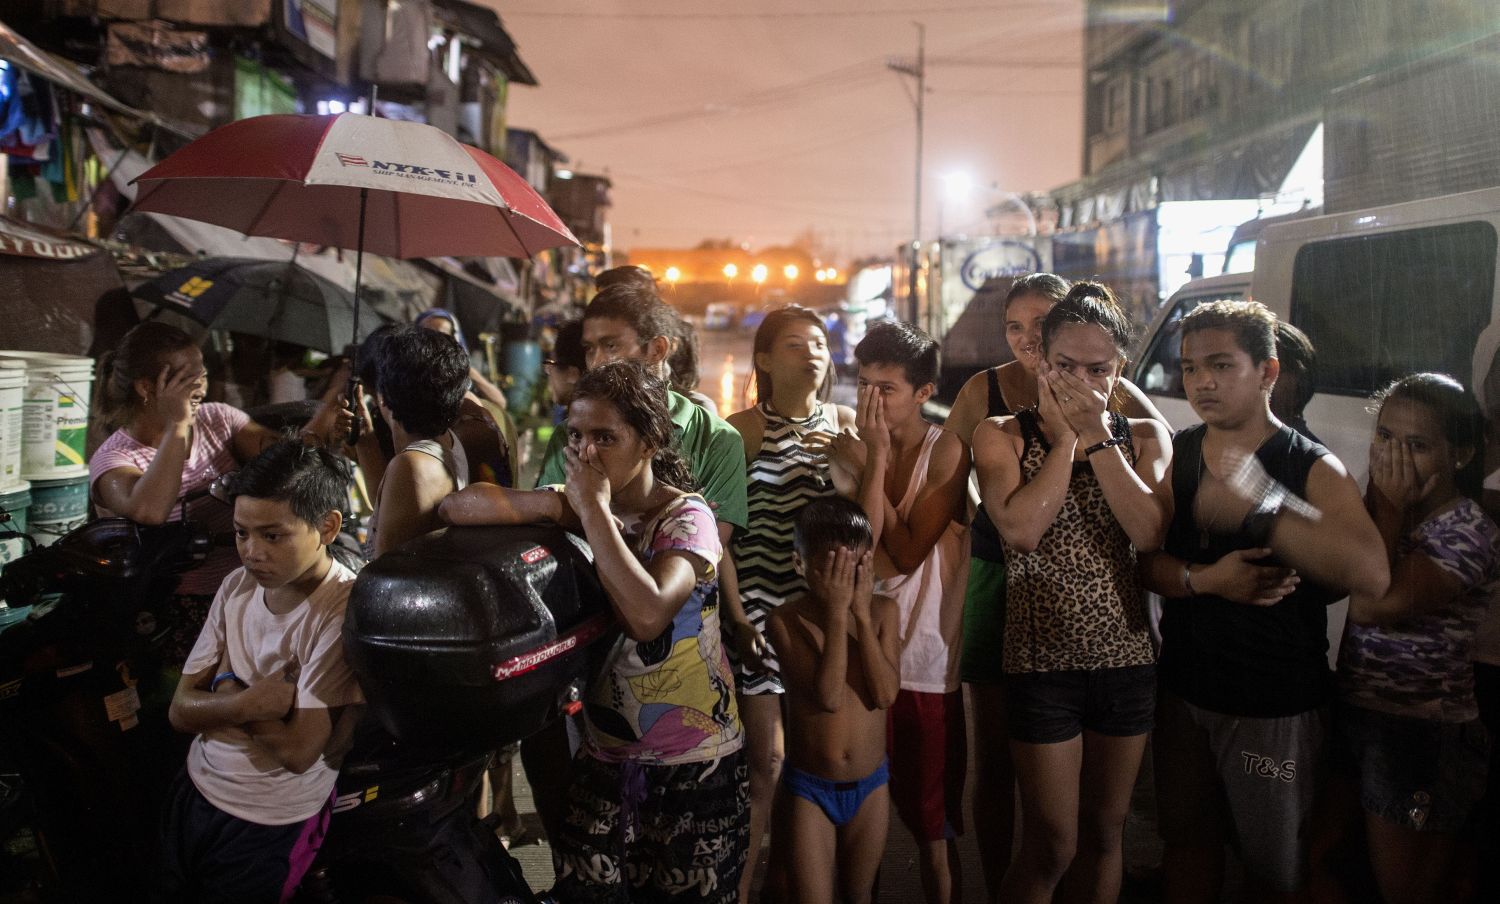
<point x="463" y="640"/>
<point x="83" y="698"/>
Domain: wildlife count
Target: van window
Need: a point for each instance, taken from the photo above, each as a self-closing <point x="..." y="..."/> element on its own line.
<point x="1379" y="307"/>
<point x="1160" y="370"/>
<point x="1241" y="257"/>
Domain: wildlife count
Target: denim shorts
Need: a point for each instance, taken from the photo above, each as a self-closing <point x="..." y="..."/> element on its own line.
<point x="1422" y="774"/>
<point x="1052" y="707"/>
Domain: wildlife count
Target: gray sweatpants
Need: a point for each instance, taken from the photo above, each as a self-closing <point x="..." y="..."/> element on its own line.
<point x="1247" y="782"/>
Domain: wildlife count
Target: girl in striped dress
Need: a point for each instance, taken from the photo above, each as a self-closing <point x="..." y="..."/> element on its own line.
<point x="786" y="435"/>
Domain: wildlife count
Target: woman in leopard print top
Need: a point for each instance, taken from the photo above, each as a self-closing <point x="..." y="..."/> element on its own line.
<point x="1073" y="490"/>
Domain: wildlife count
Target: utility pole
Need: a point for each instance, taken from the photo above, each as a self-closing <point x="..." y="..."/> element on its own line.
<point x="918" y="70"/>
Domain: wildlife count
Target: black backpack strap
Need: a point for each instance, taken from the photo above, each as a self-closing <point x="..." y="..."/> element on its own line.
<point x="1031" y="431"/>
<point x="997" y="404"/>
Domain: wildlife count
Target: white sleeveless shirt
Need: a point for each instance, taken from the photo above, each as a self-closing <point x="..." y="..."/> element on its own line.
<point x="931" y="598"/>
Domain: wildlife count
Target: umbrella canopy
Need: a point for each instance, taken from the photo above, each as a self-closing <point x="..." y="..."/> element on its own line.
<point x="274" y="299"/>
<point x="413" y="190"/>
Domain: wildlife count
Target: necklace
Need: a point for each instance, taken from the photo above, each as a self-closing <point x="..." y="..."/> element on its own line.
<point x="1203" y="535"/>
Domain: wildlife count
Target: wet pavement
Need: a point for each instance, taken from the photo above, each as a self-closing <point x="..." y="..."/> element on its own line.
<point x="899" y="878"/>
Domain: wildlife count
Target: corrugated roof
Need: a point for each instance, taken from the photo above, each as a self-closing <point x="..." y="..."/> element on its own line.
<point x="483" y="23"/>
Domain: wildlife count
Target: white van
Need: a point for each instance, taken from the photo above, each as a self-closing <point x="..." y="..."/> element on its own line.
<point x="1381" y="293"/>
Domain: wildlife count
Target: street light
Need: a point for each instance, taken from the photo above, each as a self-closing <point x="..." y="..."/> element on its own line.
<point x="956" y="186"/>
<point x="731" y="271"/>
<point x="758" y="273"/>
<point x="790" y="271"/>
<point x="821" y="276"/>
<point x="673" y="274"/>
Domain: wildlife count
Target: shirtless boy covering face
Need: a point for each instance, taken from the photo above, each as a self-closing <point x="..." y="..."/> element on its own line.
<point x="840" y="659"/>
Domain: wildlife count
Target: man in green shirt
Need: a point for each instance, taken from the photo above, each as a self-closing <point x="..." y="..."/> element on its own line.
<point x="629" y="322"/>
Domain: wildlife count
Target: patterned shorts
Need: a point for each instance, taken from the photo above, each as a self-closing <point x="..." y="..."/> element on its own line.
<point x="764" y="681"/>
<point x="633" y="832"/>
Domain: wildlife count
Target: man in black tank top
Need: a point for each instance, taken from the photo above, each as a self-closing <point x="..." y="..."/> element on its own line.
<point x="1267" y="530"/>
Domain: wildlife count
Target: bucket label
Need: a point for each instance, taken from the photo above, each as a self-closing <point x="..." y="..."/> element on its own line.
<point x="13" y="549"/>
<point x="72" y="431"/>
<point x="54" y="423"/>
<point x="11" y="429"/>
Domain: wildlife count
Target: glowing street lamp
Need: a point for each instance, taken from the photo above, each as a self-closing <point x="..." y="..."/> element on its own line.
<point x="758" y="273"/>
<point x="957" y="186"/>
<point x="731" y="271"/>
<point x="673" y="274"/>
<point x="790" y="271"/>
<point x="833" y="274"/>
<point x="821" y="276"/>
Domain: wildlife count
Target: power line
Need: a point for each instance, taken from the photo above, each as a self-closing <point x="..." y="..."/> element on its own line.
<point x="785" y="152"/>
<point x="832" y="81"/>
<point x="991" y="63"/>
<point x="849" y="13"/>
<point x="748" y="202"/>
<point x="842" y="78"/>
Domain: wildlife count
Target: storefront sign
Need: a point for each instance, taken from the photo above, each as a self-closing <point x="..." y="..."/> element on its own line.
<point x="24" y="241"/>
<point x="1005" y="257"/>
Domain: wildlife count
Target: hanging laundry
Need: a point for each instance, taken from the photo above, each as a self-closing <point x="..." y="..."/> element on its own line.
<point x="28" y="120"/>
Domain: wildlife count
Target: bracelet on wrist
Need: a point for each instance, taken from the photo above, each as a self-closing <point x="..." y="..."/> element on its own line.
<point x="1187" y="580"/>
<point x="220" y="679"/>
<point x="1102" y="445"/>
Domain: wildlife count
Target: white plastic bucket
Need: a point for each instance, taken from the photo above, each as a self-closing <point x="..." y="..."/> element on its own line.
<point x="57" y="508"/>
<point x="14" y="501"/>
<point x="55" y="414"/>
<point x="12" y="390"/>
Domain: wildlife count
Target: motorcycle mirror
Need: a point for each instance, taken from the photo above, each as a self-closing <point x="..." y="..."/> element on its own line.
<point x="220" y="488"/>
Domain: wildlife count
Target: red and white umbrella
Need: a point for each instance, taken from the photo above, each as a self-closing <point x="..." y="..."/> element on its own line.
<point x="396" y="188"/>
<point x="417" y="191"/>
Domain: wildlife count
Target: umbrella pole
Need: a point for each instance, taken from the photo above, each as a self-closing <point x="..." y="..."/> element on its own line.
<point x="359" y="263"/>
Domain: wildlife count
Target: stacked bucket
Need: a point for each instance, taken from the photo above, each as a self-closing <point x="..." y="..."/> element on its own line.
<point x="44" y="420"/>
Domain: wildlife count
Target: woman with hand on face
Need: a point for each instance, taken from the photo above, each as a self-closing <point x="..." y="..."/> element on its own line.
<point x="1001" y="391"/>
<point x="1406" y="734"/>
<point x="170" y="444"/>
<point x="660" y="788"/>
<point x="1074" y="489"/>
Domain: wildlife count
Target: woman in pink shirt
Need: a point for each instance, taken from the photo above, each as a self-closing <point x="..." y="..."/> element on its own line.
<point x="169" y="445"/>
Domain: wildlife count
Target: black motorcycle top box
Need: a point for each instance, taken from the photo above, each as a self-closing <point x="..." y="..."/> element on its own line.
<point x="474" y="636"/>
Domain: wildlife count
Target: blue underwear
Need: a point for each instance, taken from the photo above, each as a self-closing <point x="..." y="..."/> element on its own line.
<point x="839" y="801"/>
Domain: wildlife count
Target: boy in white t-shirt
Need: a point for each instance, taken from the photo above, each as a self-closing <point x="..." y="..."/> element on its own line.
<point x="262" y="689"/>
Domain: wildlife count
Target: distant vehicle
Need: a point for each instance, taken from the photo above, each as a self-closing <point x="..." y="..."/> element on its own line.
<point x="720" y="315"/>
<point x="752" y="319"/>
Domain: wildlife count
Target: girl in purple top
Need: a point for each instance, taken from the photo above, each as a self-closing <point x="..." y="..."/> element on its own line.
<point x="168" y="445"/>
<point x="1406" y="729"/>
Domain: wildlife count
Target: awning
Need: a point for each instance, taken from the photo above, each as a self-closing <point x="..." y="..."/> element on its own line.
<point x="27" y="240"/>
<point x="21" y="52"/>
<point x="50" y="287"/>
<point x="1249" y="166"/>
<point x="495" y="42"/>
